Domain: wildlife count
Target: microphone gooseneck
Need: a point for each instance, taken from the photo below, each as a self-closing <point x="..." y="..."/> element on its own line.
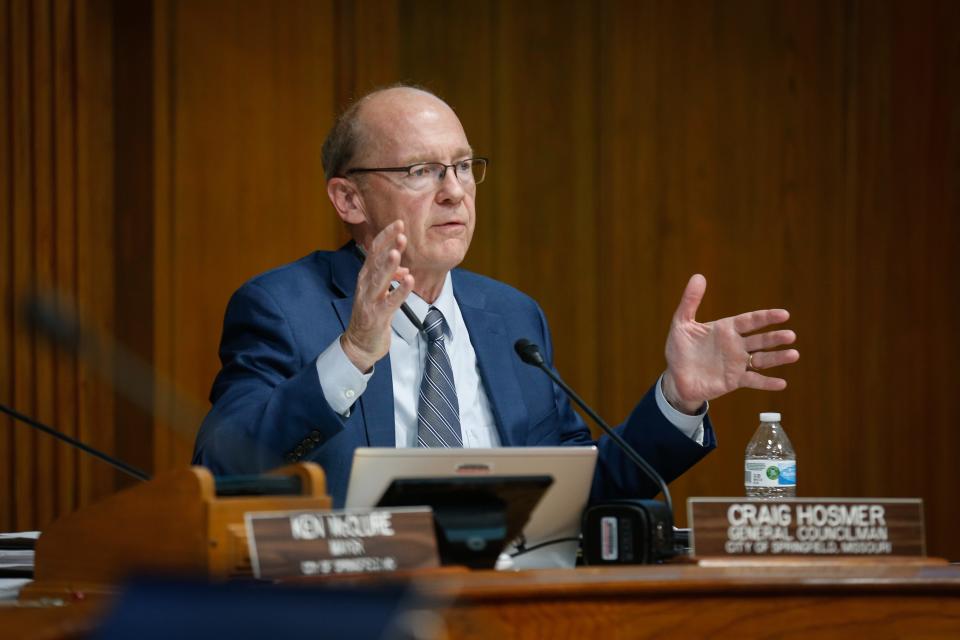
<point x="530" y="354"/>
<point x="114" y="462"/>
<point x="125" y="371"/>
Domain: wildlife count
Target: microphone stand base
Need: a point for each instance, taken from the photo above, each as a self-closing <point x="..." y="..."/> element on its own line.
<point x="627" y="532"/>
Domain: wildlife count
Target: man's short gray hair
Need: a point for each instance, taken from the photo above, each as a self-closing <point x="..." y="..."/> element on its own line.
<point x="347" y="135"/>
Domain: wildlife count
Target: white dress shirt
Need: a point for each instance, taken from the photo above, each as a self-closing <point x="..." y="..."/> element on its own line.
<point x="343" y="383"/>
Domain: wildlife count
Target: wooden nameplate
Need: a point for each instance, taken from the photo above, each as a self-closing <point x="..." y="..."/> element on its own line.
<point x="809" y="527"/>
<point x="347" y="541"/>
<point x="174" y="524"/>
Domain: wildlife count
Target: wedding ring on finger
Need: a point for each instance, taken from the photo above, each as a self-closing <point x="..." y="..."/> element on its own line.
<point x="750" y="366"/>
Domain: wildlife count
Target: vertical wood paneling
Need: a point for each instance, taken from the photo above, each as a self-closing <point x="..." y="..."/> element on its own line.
<point x="633" y="179"/>
<point x="849" y="369"/>
<point x="546" y="115"/>
<point x="942" y="161"/>
<point x="452" y="53"/>
<point x="133" y="193"/>
<point x="43" y="247"/>
<point x="94" y="188"/>
<point x="65" y="267"/>
<point x="365" y="50"/>
<point x="706" y="149"/>
<point x="40" y="248"/>
<point x="166" y="448"/>
<point x="7" y="426"/>
<point x="248" y="105"/>
<point x="906" y="212"/>
<point x="365" y="54"/>
<point x="22" y="212"/>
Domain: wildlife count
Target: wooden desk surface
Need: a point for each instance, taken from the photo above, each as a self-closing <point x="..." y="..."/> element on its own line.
<point x="802" y="599"/>
<point x="786" y="599"/>
<point x="708" y="576"/>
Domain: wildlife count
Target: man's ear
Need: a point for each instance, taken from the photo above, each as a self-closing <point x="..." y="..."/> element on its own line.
<point x="347" y="200"/>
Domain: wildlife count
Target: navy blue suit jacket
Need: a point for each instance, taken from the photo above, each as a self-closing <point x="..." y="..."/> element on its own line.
<point x="269" y="408"/>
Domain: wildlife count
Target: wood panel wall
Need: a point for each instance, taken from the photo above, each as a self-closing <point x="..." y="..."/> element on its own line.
<point x="56" y="234"/>
<point x="799" y="154"/>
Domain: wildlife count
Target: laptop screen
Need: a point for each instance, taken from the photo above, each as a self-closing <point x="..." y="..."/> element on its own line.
<point x="556" y="517"/>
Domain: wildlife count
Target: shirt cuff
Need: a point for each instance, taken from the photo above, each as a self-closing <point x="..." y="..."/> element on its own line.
<point x="690" y="426"/>
<point x="341" y="381"/>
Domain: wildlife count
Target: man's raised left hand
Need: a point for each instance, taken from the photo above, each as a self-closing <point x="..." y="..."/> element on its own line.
<point x="708" y="360"/>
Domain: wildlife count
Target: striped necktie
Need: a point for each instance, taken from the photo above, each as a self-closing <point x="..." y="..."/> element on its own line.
<point x="438" y="412"/>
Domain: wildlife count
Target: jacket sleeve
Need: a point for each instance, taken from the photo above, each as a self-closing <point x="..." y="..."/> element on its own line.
<point x="268" y="405"/>
<point x="647" y="430"/>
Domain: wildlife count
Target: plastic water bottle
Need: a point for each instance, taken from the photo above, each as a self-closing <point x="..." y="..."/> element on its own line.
<point x="770" y="464"/>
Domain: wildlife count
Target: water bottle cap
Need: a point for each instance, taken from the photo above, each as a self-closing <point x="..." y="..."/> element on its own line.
<point x="769" y="416"/>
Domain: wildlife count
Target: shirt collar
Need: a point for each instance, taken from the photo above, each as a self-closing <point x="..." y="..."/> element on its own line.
<point x="446" y="303"/>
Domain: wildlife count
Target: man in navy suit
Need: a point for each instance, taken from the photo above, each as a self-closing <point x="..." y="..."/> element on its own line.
<point x="318" y="357"/>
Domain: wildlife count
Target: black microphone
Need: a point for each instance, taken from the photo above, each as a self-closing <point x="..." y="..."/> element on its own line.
<point x="54" y="316"/>
<point x="134" y="379"/>
<point x="530" y="354"/>
<point x="618" y="531"/>
<point x="114" y="462"/>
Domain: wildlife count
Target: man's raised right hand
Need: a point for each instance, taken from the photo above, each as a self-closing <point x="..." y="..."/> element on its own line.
<point x="367" y="338"/>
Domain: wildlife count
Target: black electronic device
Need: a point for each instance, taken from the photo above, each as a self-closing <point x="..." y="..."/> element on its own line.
<point x="627" y="532"/>
<point x="475" y="517"/>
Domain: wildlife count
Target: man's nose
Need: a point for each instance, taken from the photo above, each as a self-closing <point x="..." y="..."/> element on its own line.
<point x="450" y="186"/>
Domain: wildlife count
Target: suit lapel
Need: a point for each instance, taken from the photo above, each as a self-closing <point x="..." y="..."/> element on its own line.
<point x="494" y="351"/>
<point x="495" y="358"/>
<point x="376" y="403"/>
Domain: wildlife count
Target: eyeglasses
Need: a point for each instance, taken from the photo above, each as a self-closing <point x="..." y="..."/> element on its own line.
<point x="425" y="175"/>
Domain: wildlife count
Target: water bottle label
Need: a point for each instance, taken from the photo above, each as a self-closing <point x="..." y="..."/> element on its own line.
<point x="770" y="473"/>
